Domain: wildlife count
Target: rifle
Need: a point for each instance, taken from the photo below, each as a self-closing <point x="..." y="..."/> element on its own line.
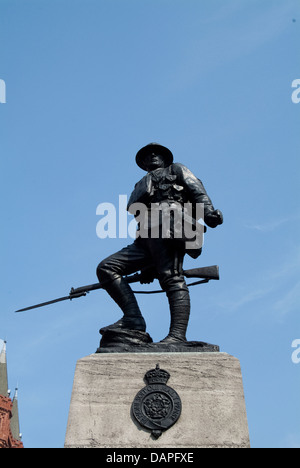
<point x="205" y="273"/>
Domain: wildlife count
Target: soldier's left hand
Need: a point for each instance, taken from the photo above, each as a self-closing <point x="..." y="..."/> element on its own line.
<point x="214" y="218"/>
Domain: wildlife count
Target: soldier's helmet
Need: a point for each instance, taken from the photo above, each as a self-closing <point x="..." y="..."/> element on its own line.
<point x="162" y="151"/>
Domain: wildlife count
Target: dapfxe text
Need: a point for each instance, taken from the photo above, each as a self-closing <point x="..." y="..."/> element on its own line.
<point x="152" y="457"/>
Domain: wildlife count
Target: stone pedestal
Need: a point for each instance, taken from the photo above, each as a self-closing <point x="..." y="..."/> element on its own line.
<point x="209" y="385"/>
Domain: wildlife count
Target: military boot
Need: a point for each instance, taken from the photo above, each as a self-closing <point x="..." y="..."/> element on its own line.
<point x="179" y="302"/>
<point x="120" y="291"/>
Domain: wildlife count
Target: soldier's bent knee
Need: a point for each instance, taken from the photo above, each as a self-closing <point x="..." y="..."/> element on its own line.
<point x="105" y="273"/>
<point x="173" y="283"/>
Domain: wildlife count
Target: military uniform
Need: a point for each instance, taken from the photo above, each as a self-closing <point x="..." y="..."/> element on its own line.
<point x="173" y="185"/>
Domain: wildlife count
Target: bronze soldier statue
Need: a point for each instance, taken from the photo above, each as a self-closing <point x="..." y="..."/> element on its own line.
<point x="159" y="257"/>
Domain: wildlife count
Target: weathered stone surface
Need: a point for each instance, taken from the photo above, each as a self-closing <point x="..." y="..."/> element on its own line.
<point x="209" y="385"/>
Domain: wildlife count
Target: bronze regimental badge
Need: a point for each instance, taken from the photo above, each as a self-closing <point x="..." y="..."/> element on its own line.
<point x="157" y="407"/>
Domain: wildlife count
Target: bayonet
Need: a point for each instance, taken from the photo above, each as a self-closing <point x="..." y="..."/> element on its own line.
<point x="205" y="273"/>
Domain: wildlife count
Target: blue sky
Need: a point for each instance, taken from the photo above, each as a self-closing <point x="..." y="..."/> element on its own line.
<point x="90" y="82"/>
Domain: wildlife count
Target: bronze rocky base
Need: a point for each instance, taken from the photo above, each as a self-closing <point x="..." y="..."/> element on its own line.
<point x="134" y="341"/>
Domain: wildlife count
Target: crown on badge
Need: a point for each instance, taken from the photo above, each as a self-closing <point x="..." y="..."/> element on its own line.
<point x="157" y="376"/>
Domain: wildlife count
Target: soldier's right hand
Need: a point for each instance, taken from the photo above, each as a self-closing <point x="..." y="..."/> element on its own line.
<point x="148" y="275"/>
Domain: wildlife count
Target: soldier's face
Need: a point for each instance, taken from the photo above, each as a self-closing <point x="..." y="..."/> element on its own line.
<point x="154" y="161"/>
